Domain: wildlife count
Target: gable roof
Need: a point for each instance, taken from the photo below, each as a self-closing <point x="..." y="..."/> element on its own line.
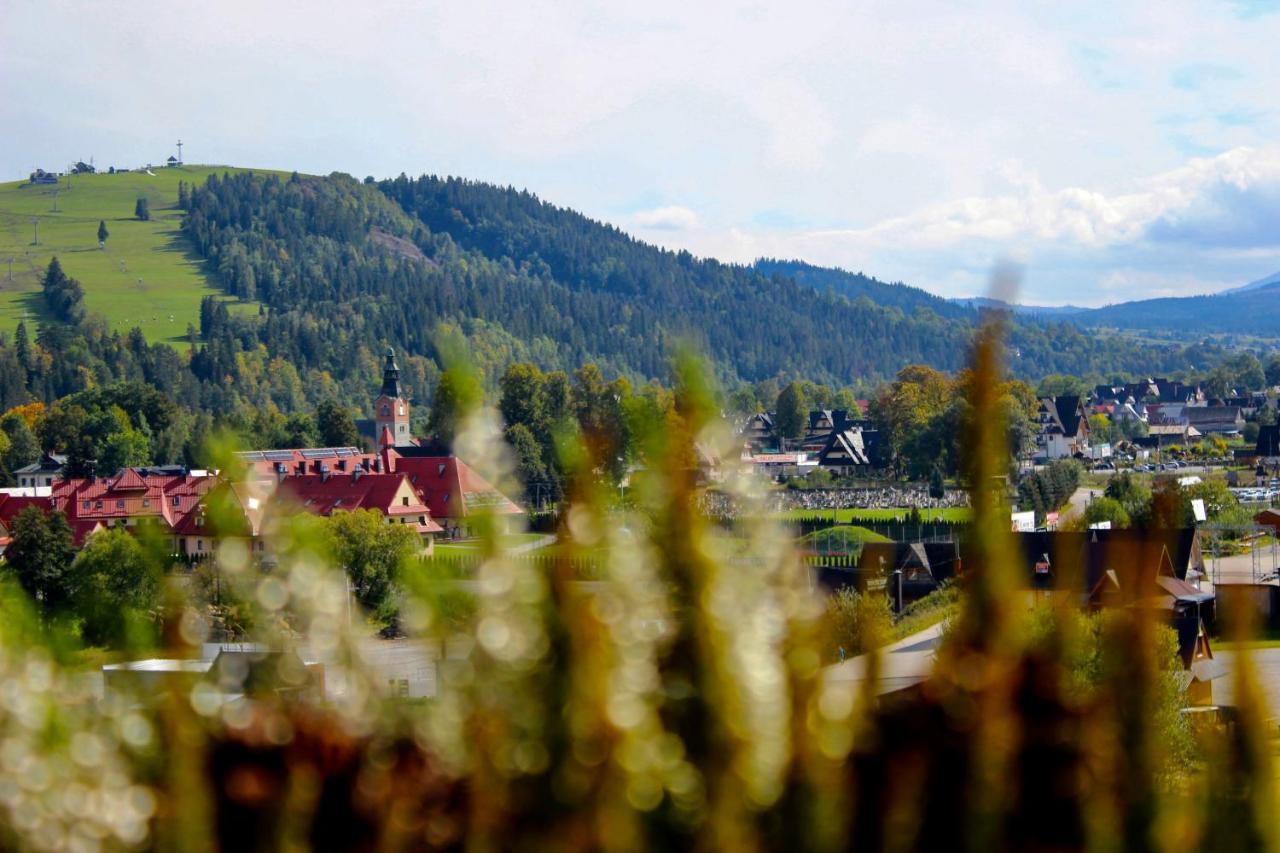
<point x="450" y="487"/>
<point x="844" y="448"/>
<point x="1070" y="414"/>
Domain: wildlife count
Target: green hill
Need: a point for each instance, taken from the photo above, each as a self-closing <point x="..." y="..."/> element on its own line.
<point x="147" y="276"/>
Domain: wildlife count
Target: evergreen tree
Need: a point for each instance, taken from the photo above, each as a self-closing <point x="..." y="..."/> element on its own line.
<point x="22" y="347"/>
<point x="792" y="412"/>
<point x="937" y="485"/>
<point x="141" y="210"/>
<point x="103" y="233"/>
<point x="336" y="426"/>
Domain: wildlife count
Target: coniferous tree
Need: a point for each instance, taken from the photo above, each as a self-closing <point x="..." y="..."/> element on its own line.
<point x="792" y="411"/>
<point x="141" y="209"/>
<point x="103" y="233"/>
<point x="336" y="426"/>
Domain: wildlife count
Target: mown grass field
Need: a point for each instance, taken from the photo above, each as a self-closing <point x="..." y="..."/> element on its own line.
<point x="147" y="276"/>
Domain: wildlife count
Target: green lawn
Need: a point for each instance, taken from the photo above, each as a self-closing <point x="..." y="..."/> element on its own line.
<point x="472" y="546"/>
<point x="147" y="276"/>
<point x="845" y="516"/>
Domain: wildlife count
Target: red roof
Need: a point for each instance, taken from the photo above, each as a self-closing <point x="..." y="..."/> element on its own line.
<point x="451" y="488"/>
<point x="132" y="494"/>
<point x="324" y="495"/>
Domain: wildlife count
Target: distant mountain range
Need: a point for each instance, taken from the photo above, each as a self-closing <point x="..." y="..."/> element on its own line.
<point x="1274" y="278"/>
<point x="1029" y="310"/>
<point x="1252" y="309"/>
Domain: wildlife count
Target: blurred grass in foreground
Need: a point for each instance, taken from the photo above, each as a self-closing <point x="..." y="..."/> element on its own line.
<point x="681" y="701"/>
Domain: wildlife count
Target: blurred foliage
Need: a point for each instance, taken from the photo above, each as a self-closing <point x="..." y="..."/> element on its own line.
<point x="680" y="701"/>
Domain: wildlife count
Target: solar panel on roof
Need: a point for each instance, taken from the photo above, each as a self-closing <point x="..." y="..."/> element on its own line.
<point x="277" y="455"/>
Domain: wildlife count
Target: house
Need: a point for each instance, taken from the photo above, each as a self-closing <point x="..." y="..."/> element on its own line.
<point x="759" y="431"/>
<point x="1159" y="570"/>
<point x="844" y="453"/>
<point x="1164" y="435"/>
<point x="924" y="565"/>
<point x="1215" y="420"/>
<point x="1063" y="428"/>
<point x="43" y="472"/>
<point x="11" y="506"/>
<point x="1268" y="518"/>
<point x="825" y="421"/>
<point x="162" y="496"/>
<point x="172" y="161"/>
<point x="40" y="176"/>
<point x="454" y="492"/>
<point x="391" y="495"/>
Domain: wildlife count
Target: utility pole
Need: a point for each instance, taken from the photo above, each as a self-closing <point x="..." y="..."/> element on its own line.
<point x="179" y="152"/>
<point x="11" y="268"/>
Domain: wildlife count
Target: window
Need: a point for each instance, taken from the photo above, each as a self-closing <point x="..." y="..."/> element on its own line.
<point x="199" y="544"/>
<point x="87" y="504"/>
<point x="119" y="503"/>
<point x="146" y="502"/>
<point x="177" y="500"/>
<point x="404" y="501"/>
<point x="97" y="504"/>
<point x="400" y="409"/>
<point x="422" y="519"/>
<point x="386" y="411"/>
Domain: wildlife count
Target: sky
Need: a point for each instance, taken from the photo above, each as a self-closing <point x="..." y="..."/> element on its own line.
<point x="1114" y="151"/>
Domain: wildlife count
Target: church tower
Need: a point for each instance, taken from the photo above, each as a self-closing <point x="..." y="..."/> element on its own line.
<point x="391" y="409"/>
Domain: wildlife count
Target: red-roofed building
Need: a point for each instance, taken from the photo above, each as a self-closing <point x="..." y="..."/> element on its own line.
<point x="164" y="496"/>
<point x="451" y="488"/>
<point x="11" y="506"/>
<point x="392" y="495"/>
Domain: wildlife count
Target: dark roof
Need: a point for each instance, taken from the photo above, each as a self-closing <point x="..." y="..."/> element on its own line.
<point x="1212" y="414"/>
<point x="49" y="463"/>
<point x="1083" y="559"/>
<point x="1069" y="414"/>
<point x="391" y="377"/>
<point x="844" y="448"/>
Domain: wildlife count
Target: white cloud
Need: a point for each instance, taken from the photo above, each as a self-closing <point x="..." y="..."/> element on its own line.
<point x="916" y="140"/>
<point x="1202" y="226"/>
<point x="671" y="218"/>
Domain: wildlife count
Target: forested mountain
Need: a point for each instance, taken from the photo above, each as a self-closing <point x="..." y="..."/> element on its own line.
<point x="1253" y="311"/>
<point x="343" y="269"/>
<point x="855" y="285"/>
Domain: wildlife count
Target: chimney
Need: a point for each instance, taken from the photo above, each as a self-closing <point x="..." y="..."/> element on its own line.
<point x="355" y="475"/>
<point x="324" y="475"/>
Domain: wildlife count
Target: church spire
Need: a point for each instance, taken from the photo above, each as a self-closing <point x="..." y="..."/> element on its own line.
<point x="391" y="377"/>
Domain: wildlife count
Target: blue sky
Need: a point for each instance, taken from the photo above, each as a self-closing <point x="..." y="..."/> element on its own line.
<point x="1115" y="151"/>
